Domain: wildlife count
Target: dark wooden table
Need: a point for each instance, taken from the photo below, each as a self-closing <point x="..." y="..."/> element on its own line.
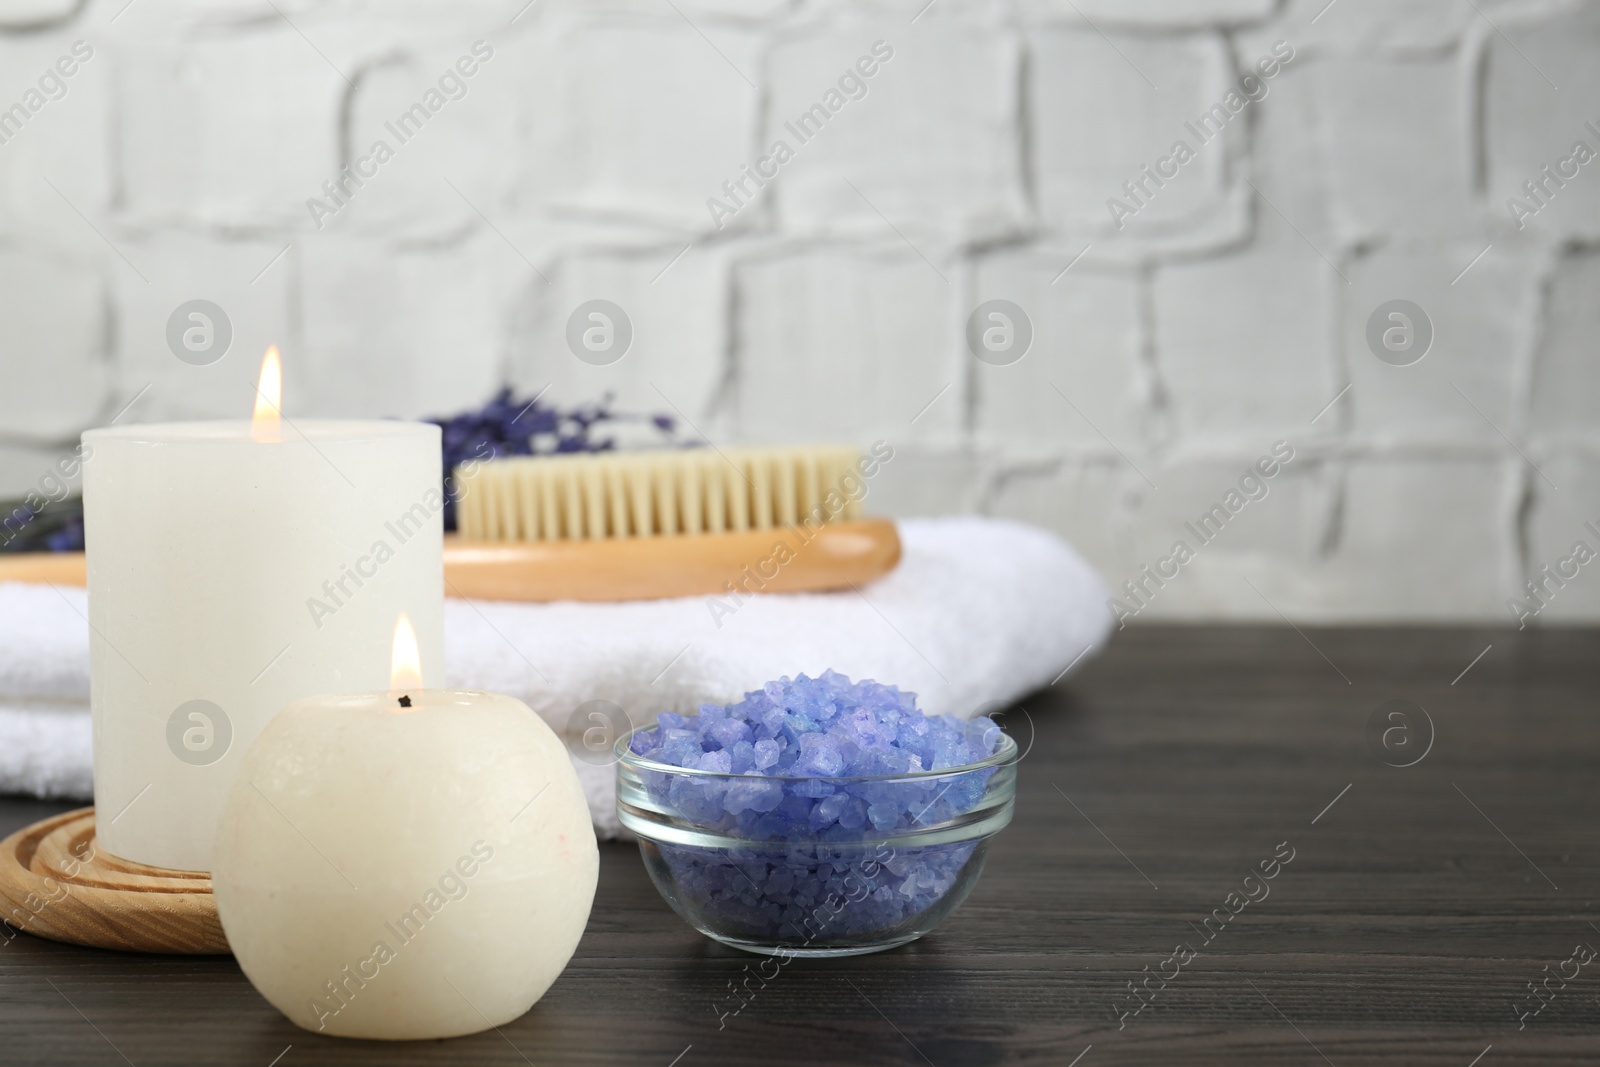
<point x="1420" y="902"/>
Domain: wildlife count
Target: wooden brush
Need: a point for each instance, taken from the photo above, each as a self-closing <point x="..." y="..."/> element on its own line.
<point x="642" y="526"/>
<point x="645" y="525"/>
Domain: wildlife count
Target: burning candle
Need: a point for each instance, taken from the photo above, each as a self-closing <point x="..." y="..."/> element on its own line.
<point x="408" y="863"/>
<point x="235" y="567"/>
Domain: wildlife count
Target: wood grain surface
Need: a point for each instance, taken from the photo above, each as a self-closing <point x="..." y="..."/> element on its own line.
<point x="1405" y="930"/>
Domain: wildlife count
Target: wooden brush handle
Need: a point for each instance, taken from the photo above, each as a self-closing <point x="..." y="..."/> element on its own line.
<point x="637" y="568"/>
<point x="652" y="568"/>
<point x="55" y="568"/>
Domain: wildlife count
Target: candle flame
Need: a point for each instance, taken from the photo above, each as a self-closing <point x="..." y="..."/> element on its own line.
<point x="267" y="423"/>
<point x="406" y="670"/>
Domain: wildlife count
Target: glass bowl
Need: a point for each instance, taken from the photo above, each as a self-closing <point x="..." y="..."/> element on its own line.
<point x="815" y="866"/>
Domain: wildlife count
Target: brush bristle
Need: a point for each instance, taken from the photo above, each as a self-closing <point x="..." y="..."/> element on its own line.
<point x="585" y="497"/>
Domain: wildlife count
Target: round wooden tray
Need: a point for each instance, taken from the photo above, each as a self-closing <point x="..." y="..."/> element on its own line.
<point x="55" y="883"/>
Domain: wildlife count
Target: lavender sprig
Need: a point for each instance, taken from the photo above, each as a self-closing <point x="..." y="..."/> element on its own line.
<point x="509" y="426"/>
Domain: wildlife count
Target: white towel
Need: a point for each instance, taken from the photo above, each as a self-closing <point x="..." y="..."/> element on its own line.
<point x="978" y="613"/>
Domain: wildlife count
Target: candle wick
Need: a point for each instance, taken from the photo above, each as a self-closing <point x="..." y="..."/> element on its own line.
<point x="405" y="701"/>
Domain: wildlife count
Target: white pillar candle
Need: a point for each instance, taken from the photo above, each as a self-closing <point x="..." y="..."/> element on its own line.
<point x="229" y="576"/>
<point x="405" y="872"/>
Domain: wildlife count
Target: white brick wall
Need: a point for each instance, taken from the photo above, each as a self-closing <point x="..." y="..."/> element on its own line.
<point x="1231" y="310"/>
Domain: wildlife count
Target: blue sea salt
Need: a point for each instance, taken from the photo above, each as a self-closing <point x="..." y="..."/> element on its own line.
<point x="801" y="775"/>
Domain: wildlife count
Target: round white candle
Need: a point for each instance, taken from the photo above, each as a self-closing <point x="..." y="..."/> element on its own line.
<point x="403" y="873"/>
<point x="230" y="576"/>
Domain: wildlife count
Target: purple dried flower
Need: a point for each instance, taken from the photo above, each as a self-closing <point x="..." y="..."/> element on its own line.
<point x="509" y="426"/>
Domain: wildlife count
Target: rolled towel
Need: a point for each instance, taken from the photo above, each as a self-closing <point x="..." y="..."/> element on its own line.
<point x="979" y="613"/>
<point x="44" y="644"/>
<point x="45" y="738"/>
<point x="46" y="749"/>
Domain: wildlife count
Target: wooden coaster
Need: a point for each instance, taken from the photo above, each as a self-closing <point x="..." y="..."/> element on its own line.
<point x="54" y="883"/>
